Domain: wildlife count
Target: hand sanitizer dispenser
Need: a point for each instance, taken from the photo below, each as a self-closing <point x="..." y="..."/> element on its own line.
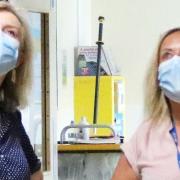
<point x="84" y="131"/>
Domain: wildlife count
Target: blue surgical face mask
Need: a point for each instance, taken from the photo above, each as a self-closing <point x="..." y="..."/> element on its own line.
<point x="169" y="78"/>
<point x="9" y="51"/>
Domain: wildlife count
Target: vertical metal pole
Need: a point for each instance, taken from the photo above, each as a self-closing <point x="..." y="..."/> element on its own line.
<point x="99" y="43"/>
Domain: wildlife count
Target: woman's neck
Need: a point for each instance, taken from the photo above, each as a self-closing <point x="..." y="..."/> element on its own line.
<point x="175" y="108"/>
<point x="2" y="79"/>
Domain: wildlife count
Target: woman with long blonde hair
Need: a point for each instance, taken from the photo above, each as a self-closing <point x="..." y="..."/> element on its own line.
<point x="17" y="158"/>
<point x="154" y="150"/>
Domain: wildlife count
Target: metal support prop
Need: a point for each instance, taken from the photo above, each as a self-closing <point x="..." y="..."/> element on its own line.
<point x="99" y="43"/>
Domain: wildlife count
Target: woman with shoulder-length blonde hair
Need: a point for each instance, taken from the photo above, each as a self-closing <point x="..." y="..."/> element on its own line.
<point x="154" y="150"/>
<point x="17" y="158"/>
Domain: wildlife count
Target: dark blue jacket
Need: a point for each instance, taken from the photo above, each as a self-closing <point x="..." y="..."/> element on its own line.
<point x="17" y="158"/>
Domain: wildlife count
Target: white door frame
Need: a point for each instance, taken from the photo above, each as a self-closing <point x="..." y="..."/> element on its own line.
<point x="49" y="7"/>
<point x="82" y="36"/>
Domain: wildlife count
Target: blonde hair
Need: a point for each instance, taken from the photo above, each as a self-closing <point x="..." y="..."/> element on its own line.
<point x="15" y="94"/>
<point x="155" y="102"/>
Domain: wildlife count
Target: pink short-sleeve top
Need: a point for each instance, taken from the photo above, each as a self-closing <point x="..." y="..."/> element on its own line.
<point x="152" y="152"/>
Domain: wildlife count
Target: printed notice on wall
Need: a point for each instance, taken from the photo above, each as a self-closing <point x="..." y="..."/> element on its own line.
<point x="86" y="62"/>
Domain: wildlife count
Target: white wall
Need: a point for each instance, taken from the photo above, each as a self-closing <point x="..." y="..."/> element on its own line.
<point x="39" y="6"/>
<point x="84" y="22"/>
<point x="131" y="30"/>
<point x="73" y="29"/>
<point x="66" y="41"/>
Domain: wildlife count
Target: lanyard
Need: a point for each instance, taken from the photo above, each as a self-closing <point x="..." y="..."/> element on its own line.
<point x="173" y="133"/>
